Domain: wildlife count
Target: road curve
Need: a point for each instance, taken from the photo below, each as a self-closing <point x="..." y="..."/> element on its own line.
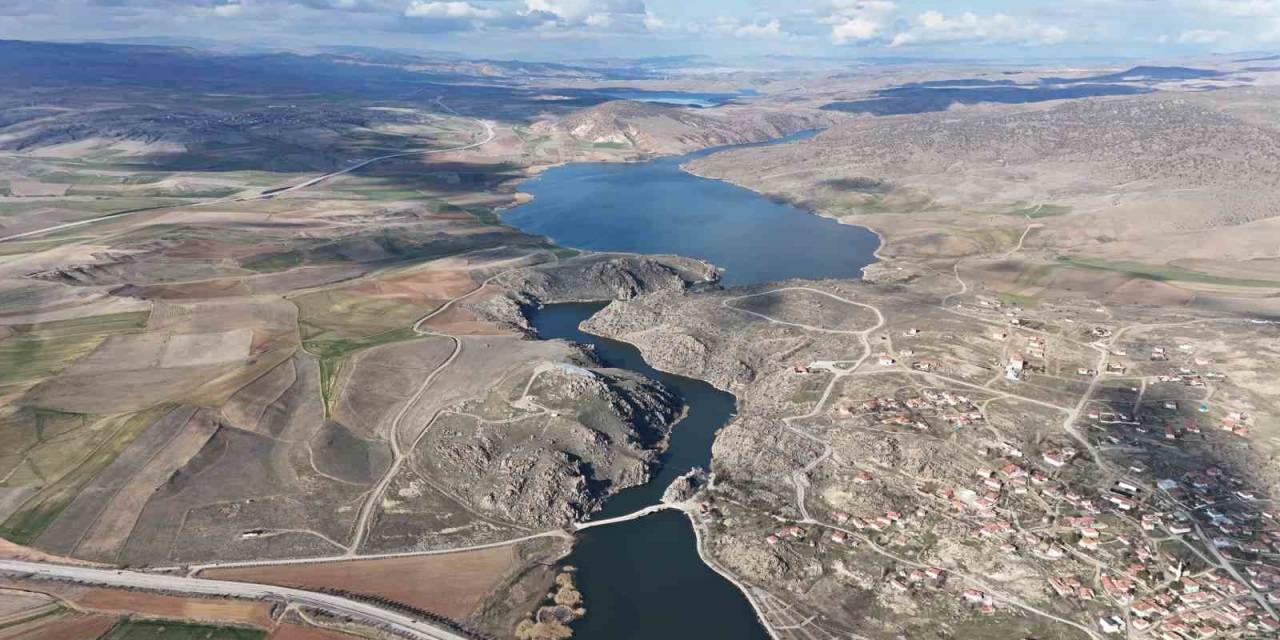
<point x="402" y="624"/>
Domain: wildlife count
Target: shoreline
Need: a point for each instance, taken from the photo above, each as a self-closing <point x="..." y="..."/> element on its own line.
<point x="882" y="243"/>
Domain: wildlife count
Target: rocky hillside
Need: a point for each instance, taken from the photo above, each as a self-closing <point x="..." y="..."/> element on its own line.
<point x="658" y="128"/>
<point x="576" y="436"/>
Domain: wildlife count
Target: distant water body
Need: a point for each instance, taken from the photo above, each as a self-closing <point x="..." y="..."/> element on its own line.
<point x="643" y="579"/>
<point x="656" y="208"/>
<point x="682" y="98"/>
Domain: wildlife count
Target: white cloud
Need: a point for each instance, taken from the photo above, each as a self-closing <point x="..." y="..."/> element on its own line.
<point x="598" y="20"/>
<point x="1242" y="8"/>
<point x="1203" y="36"/>
<point x="858" y="20"/>
<point x="854" y="30"/>
<point x="1255" y="21"/>
<point x="453" y="10"/>
<point x="934" y="27"/>
<point x="770" y="29"/>
<point x="228" y="10"/>
<point x="567" y="9"/>
<point x="864" y="6"/>
<point x="582" y="10"/>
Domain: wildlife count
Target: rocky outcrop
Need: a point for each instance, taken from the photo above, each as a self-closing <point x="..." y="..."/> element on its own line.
<point x="588" y="278"/>
<point x="593" y="433"/>
<point x="608" y="277"/>
<point x="686" y="486"/>
<point x="667" y="129"/>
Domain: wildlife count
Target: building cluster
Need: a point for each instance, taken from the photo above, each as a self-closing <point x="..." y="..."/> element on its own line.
<point x="1191" y="556"/>
<point x="953" y="409"/>
<point x="1125" y="526"/>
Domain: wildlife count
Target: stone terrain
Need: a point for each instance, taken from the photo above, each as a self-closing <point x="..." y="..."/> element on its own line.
<point x="665" y="129"/>
<point x="910" y="488"/>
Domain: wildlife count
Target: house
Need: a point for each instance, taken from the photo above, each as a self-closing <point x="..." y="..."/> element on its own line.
<point x="1013" y="471"/>
<point x="995" y="528"/>
<point x="1111" y="624"/>
<point x="1061" y="587"/>
<point x="1122" y="503"/>
<point x="839" y="537"/>
<point x="1149" y="521"/>
<point x="1055" y="458"/>
<point x="1146" y="609"/>
<point x="1013" y="370"/>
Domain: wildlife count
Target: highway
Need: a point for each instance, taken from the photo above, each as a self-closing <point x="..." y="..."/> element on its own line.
<point x="403" y="624"/>
<point x="264" y="195"/>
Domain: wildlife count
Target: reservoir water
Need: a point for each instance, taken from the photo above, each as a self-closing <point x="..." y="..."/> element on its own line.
<point x="655" y="207"/>
<point x="643" y="579"/>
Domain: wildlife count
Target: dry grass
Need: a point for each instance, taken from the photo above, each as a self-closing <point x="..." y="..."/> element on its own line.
<point x="451" y="585"/>
<point x="86" y="627"/>
<point x="155" y="605"/>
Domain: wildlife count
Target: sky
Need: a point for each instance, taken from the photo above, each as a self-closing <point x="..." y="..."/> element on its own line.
<point x="578" y="29"/>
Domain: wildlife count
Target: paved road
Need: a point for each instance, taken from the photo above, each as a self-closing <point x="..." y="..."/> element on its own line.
<point x="399" y="623"/>
<point x="270" y="193"/>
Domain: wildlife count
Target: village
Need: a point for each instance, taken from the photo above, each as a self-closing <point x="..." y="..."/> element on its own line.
<point x="1130" y="532"/>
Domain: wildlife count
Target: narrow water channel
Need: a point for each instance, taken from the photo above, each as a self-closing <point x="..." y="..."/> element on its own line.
<point x="643" y="579"/>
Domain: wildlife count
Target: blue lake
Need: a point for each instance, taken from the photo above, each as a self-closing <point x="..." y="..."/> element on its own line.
<point x="655" y="207"/>
<point x="684" y="98"/>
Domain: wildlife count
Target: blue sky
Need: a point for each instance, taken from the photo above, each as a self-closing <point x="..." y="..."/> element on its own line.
<point x="567" y="29"/>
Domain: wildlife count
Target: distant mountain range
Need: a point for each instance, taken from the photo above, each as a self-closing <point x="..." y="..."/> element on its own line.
<point x="210" y="66"/>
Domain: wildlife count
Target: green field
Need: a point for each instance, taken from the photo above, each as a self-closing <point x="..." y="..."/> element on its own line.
<point x="342" y="348"/>
<point x="1021" y="300"/>
<point x="899" y="200"/>
<point x="156" y="630"/>
<point x="1041" y="211"/>
<point x="37" y="351"/>
<point x="336" y="324"/>
<point x="333" y="353"/>
<point x="68" y="451"/>
<point x="1163" y="273"/>
<point x="269" y="262"/>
